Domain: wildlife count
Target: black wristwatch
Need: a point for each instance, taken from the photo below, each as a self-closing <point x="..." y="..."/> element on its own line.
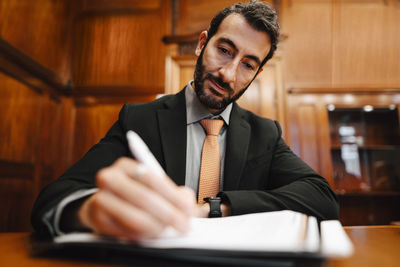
<point x="215" y="206"/>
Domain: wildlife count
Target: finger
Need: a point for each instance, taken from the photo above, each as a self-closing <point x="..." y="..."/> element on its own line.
<point x="104" y="224"/>
<point x="144" y="199"/>
<point x="97" y="219"/>
<point x="189" y="196"/>
<point x="129" y="218"/>
<point x="161" y="184"/>
<point x="94" y="218"/>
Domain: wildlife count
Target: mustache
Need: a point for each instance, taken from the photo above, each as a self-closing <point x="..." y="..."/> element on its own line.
<point x="219" y="81"/>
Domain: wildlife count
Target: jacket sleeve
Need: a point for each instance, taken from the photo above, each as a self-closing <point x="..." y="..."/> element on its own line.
<point x="80" y="176"/>
<point x="291" y="185"/>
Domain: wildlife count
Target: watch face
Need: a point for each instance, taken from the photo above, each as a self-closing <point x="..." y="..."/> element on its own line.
<point x="208" y="199"/>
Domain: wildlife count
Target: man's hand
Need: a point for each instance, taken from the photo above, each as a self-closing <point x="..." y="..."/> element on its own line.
<point x="134" y="204"/>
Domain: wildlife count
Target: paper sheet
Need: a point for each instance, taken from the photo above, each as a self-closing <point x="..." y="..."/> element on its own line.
<point x="280" y="231"/>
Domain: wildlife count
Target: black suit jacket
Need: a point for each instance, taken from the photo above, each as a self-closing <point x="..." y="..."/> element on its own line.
<point x="261" y="172"/>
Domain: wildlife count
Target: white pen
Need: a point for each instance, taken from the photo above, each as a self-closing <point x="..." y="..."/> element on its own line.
<point x="142" y="153"/>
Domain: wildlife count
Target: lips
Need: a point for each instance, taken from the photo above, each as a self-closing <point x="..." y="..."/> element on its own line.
<point x="217" y="87"/>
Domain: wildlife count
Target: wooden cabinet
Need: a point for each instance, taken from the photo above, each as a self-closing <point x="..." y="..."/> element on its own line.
<point x="352" y="137"/>
<point x="365" y="148"/>
<point x="345" y="53"/>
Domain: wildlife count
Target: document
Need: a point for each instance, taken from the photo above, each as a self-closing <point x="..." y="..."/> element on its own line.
<point x="273" y="232"/>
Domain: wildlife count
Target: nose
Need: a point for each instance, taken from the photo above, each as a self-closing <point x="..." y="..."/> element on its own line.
<point x="228" y="72"/>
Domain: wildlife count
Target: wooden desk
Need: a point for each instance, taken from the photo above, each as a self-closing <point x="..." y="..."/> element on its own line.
<point x="374" y="246"/>
<point x="14" y="251"/>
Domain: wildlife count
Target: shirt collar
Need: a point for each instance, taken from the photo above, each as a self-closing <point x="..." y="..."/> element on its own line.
<point x="196" y="111"/>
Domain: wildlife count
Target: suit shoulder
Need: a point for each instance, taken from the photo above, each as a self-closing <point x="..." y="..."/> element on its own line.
<point x="144" y="115"/>
<point x="153" y="105"/>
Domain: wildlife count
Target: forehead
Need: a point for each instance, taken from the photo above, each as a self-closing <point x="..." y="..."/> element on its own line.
<point x="247" y="39"/>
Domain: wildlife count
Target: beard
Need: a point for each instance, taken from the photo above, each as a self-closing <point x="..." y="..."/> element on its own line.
<point x="209" y="100"/>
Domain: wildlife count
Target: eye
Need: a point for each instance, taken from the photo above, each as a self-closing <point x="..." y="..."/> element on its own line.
<point x="223" y="50"/>
<point x="249" y="66"/>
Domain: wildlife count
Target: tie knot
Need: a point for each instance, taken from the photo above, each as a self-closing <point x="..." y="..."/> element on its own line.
<point x="212" y="127"/>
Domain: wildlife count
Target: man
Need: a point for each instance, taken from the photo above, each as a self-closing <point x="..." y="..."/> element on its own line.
<point x="110" y="193"/>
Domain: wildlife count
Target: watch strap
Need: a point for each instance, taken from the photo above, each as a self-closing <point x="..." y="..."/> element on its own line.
<point x="215" y="206"/>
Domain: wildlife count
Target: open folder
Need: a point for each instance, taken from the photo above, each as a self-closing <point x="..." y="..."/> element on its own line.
<point x="283" y="233"/>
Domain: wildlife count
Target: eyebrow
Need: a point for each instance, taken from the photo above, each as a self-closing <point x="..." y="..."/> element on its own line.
<point x="232" y="44"/>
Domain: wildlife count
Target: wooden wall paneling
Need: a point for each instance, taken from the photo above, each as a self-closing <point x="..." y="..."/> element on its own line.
<point x="118" y="5"/>
<point x="292" y="123"/>
<point x="21" y="67"/>
<point x="94" y="117"/>
<point x="254" y="98"/>
<point x="30" y="130"/>
<point x="325" y="159"/>
<point x="341" y="43"/>
<point x="66" y="127"/>
<point x="281" y="95"/>
<point x="265" y="95"/>
<point x="334" y="92"/>
<point x="195" y="15"/>
<point x="309" y="138"/>
<point x="172" y="69"/>
<point x="307" y="52"/>
<point x="121" y="49"/>
<point x="40" y="30"/>
<point x="180" y="69"/>
<point x="48" y="154"/>
<point x="41" y="130"/>
<point x="366" y="43"/>
<point x="20" y="109"/>
<point x="29" y="126"/>
<point x="308" y="126"/>
<point x="92" y="123"/>
<point x="297" y="112"/>
<point x="11" y="169"/>
<point x="16" y="199"/>
<point x="91" y="101"/>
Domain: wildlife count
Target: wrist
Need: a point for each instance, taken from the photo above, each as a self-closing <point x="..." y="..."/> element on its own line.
<point x="225" y="210"/>
<point x="225" y="204"/>
<point x="217" y="208"/>
<point x="202" y="210"/>
<point x="71" y="219"/>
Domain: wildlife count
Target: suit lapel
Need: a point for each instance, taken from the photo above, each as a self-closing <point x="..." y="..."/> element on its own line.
<point x="172" y="125"/>
<point x="238" y="138"/>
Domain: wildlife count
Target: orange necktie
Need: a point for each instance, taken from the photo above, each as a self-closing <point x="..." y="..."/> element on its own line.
<point x="210" y="160"/>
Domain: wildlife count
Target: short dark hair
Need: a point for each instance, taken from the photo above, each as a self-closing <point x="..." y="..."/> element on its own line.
<point x="260" y="15"/>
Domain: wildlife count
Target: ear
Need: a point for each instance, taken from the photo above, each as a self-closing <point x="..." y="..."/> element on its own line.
<point x="202" y="41"/>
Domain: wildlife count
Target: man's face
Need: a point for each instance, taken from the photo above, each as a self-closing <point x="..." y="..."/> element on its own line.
<point x="229" y="62"/>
